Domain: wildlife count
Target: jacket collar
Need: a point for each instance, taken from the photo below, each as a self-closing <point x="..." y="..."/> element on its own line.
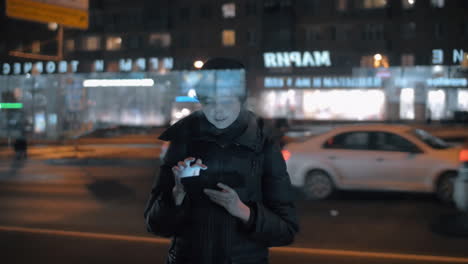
<point x="249" y="137"/>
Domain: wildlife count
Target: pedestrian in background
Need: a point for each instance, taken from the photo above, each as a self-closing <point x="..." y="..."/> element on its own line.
<point x="238" y="201"/>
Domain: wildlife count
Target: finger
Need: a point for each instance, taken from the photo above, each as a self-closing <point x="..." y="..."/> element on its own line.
<point x="225" y="187"/>
<point x="200" y="164"/>
<point x="188" y="160"/>
<point x="181" y="165"/>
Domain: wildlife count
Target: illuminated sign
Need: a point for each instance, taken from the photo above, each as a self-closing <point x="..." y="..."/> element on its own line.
<point x="297" y="59"/>
<point x="322" y="82"/>
<point x="457" y="56"/>
<point x="118" y="82"/>
<point x="457" y="82"/>
<point x="125" y="65"/>
<point x="11" y="105"/>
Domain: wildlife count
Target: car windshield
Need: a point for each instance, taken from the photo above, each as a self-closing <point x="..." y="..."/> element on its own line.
<point x="429" y="139"/>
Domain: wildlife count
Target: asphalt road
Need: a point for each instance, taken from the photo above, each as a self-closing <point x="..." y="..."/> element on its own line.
<point x="90" y="211"/>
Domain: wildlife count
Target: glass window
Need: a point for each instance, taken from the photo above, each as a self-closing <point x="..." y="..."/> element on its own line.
<point x="113" y="43"/>
<point x="408" y="30"/>
<point x="205" y="11"/>
<point x="250" y="9"/>
<point x="36" y="46"/>
<point x="438" y="3"/>
<point x="429" y="139"/>
<point x="436" y="104"/>
<point x="407" y="59"/>
<point x="408" y="4"/>
<point x="251" y="37"/>
<point x="391" y="142"/>
<point x="159" y="40"/>
<point x="407" y="103"/>
<point x="92" y="43"/>
<point x="341" y="5"/>
<point x="438" y="30"/>
<point x="70" y="45"/>
<point x="229" y="10"/>
<point x="373" y="32"/>
<point x="463" y="100"/>
<point x="371" y="4"/>
<point x="184" y="13"/>
<point x="229" y="37"/>
<point x="349" y="140"/>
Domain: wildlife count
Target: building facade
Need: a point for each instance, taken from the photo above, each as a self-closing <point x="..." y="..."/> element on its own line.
<point x="308" y="60"/>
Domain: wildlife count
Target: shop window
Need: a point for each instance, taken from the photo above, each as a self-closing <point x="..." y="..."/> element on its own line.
<point x="159" y="40"/>
<point x="436" y="104"/>
<point x="407" y="60"/>
<point x="113" y="43"/>
<point x="92" y="43"/>
<point x="463" y="100"/>
<point x="229" y="10"/>
<point x="36" y="46"/>
<point x="438" y="3"/>
<point x="408" y="30"/>
<point x="70" y="45"/>
<point x="407" y="103"/>
<point x="229" y="37"/>
<point x="341" y="5"/>
<point x="408" y="4"/>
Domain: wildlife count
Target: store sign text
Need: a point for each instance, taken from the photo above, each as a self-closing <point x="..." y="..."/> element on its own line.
<point x="438" y="56"/>
<point x="125" y="65"/>
<point x="297" y="59"/>
<point x="454" y="82"/>
<point x="322" y="82"/>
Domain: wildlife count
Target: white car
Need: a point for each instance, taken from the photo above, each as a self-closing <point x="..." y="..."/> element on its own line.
<point x="373" y="157"/>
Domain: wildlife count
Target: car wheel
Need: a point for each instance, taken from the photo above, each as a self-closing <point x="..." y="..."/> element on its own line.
<point x="318" y="185"/>
<point x="444" y="186"/>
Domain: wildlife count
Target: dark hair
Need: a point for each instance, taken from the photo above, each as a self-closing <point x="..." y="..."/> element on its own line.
<point x="222" y="63"/>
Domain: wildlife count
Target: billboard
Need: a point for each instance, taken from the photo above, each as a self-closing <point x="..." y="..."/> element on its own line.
<point x="69" y="13"/>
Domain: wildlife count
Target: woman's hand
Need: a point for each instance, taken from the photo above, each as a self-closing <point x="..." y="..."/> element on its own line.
<point x="229" y="199"/>
<point x="179" y="171"/>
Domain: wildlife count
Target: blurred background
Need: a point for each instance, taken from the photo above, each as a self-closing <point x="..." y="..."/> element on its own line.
<point x="367" y="98"/>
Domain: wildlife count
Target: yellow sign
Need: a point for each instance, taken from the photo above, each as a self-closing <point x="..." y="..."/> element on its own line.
<point x="35" y="11"/>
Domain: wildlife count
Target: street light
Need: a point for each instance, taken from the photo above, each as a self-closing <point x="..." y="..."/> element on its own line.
<point x="198" y="64"/>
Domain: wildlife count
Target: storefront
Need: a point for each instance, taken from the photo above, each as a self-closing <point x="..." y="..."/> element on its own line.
<point x="388" y="94"/>
<point x="58" y="100"/>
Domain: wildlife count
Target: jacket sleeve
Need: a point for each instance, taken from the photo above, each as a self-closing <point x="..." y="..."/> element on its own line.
<point x="162" y="216"/>
<point x="275" y="222"/>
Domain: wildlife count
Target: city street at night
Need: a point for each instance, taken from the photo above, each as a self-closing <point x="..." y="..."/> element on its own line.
<point x="91" y="211"/>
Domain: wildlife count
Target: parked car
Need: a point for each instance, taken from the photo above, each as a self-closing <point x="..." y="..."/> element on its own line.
<point x="373" y="157"/>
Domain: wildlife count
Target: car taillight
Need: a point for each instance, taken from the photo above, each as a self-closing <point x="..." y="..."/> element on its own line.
<point x="286" y="154"/>
<point x="464" y="155"/>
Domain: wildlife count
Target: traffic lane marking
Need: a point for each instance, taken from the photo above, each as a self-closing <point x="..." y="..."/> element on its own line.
<point x="305" y="251"/>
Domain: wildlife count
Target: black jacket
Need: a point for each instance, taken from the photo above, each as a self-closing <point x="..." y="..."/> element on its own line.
<point x="245" y="158"/>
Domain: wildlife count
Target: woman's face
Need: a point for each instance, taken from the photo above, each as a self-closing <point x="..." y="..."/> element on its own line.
<point x="221" y="111"/>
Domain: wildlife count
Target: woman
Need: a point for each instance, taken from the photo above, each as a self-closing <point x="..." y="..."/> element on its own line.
<point x="223" y="194"/>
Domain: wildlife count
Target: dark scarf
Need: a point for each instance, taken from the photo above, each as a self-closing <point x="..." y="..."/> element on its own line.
<point x="216" y="224"/>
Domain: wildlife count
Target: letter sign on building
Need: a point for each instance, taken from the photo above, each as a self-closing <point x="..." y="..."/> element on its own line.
<point x="297" y="59"/>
